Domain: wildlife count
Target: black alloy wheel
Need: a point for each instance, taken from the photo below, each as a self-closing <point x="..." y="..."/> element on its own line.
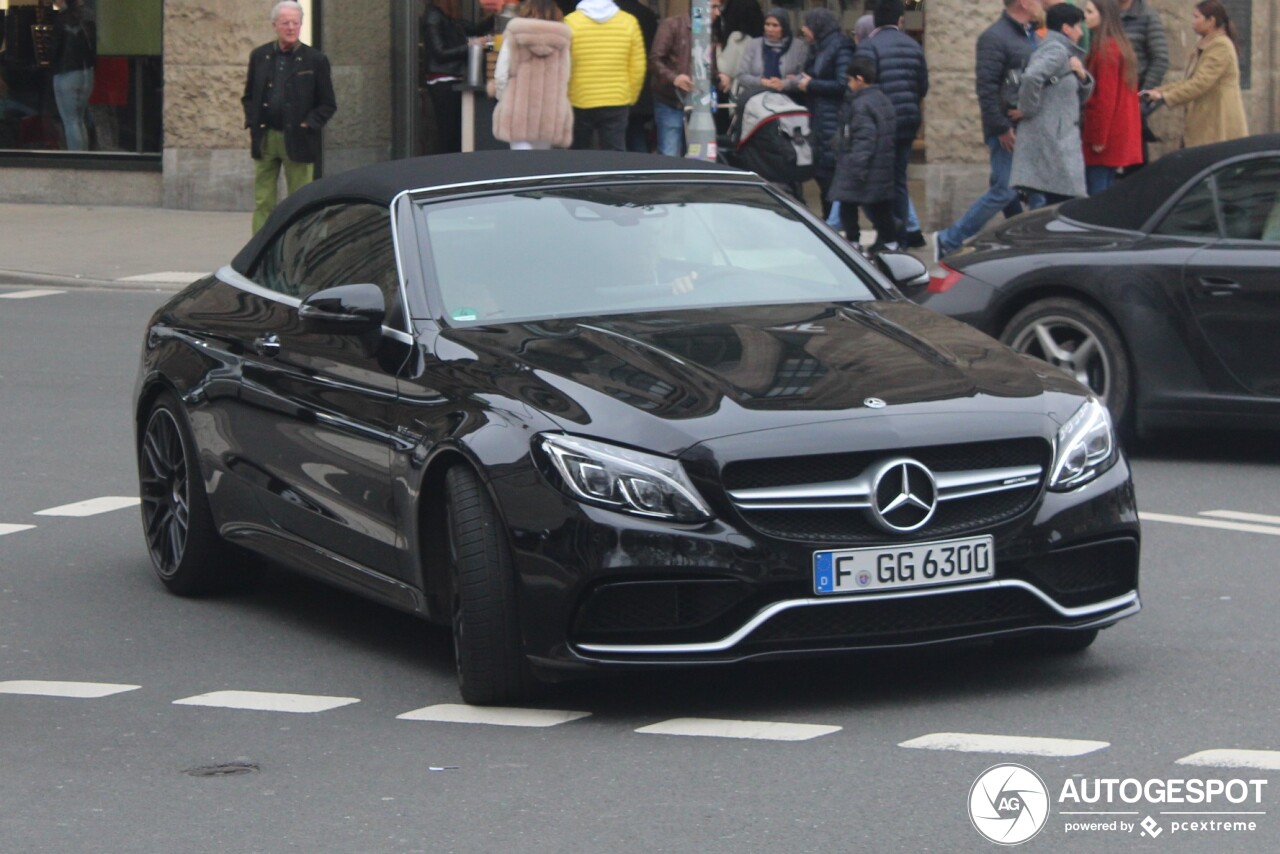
<point x="186" y="552"/>
<point x="492" y="668"/>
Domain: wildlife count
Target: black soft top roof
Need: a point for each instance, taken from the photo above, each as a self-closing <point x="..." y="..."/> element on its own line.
<point x="382" y="182"/>
<point x="1132" y="203"/>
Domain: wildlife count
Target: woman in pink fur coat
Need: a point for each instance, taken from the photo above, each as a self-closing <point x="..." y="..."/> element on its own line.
<point x="531" y="79"/>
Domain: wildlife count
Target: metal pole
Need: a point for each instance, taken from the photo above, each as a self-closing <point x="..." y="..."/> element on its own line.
<point x="701" y="132"/>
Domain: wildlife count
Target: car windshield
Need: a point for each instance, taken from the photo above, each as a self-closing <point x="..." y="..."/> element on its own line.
<point x="578" y="251"/>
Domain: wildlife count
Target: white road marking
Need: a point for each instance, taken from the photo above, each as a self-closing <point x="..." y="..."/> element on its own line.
<point x="166" y="276"/>
<point x="261" y="701"/>
<point x="92" y="507"/>
<point x="30" y="294"/>
<point x="459" y="714"/>
<point x="761" y="730"/>
<point x="1210" y="523"/>
<point x="1268" y="760"/>
<point x="79" y="690"/>
<point x="969" y="742"/>
<point x="1243" y="517"/>
<point x="13" y="529"/>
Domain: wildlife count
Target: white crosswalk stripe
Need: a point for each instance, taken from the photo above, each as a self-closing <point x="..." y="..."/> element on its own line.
<point x="1241" y="516"/>
<point x="31" y="293"/>
<point x="91" y="507"/>
<point x="13" y="529"/>
<point x="970" y="742"/>
<point x="455" y="713"/>
<point x="1267" y="760"/>
<point x="78" y="690"/>
<point x="1221" y="524"/>
<point x="760" y="730"/>
<point x="262" y="701"/>
<point x="166" y="277"/>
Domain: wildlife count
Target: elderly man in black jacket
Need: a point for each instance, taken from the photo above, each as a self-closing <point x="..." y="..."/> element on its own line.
<point x="1007" y="44"/>
<point x="288" y="97"/>
<point x="903" y="75"/>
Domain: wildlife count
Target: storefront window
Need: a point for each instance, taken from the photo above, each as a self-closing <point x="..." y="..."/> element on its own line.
<point x="81" y="75"/>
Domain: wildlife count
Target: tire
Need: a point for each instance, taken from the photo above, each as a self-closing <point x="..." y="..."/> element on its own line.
<point x="492" y="669"/>
<point x="188" y="555"/>
<point x="1078" y="340"/>
<point x="1049" y="642"/>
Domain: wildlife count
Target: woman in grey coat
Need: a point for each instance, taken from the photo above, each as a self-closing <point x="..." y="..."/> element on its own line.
<point x="1048" y="161"/>
<point x="774" y="61"/>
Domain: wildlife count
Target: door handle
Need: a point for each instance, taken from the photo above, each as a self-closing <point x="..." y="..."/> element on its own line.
<point x="267" y="345"/>
<point x="1217" y="286"/>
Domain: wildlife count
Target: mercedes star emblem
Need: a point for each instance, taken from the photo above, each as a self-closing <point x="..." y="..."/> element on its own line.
<point x="904" y="496"/>
<point x="874" y="403"/>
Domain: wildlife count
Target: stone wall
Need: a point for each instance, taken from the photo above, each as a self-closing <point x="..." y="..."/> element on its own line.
<point x="357" y="40"/>
<point x="206" y="147"/>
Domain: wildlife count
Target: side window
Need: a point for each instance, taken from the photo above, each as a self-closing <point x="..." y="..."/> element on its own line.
<point x="279" y="269"/>
<point x="1249" y="194"/>
<point x="1194" y="215"/>
<point x="343" y="244"/>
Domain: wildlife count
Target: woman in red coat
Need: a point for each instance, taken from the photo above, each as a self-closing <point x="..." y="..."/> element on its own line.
<point x="1112" y="132"/>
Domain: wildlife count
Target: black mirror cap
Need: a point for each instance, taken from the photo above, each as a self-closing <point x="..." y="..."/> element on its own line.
<point x="345" y="308"/>
<point x="905" y="271"/>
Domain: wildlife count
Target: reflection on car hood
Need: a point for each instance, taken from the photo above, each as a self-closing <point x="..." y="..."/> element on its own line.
<point x="1043" y="230"/>
<point x="715" y="372"/>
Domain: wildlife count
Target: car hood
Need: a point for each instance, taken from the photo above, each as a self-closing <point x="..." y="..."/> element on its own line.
<point x="669" y="380"/>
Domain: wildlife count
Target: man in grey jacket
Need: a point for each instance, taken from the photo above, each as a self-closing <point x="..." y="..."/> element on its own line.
<point x="1007" y="44"/>
<point x="1145" y="30"/>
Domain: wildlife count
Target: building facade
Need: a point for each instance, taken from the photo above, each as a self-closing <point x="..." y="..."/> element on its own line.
<point x="164" y="124"/>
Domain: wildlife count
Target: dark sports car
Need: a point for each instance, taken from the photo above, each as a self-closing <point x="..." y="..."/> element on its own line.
<point x="615" y="410"/>
<point x="1161" y="294"/>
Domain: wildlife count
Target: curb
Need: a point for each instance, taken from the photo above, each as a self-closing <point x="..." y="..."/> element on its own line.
<point x="56" y="280"/>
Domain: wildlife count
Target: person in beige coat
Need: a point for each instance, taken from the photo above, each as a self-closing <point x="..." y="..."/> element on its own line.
<point x="531" y="80"/>
<point x="1211" y="90"/>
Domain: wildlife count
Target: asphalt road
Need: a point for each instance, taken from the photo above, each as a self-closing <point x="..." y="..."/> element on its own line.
<point x="818" y="766"/>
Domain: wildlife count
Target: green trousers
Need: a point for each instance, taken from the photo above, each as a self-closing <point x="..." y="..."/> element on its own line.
<point x="266" y="175"/>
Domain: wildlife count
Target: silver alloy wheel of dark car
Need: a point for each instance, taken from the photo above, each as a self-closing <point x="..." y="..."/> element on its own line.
<point x="188" y="555"/>
<point x="1079" y="341"/>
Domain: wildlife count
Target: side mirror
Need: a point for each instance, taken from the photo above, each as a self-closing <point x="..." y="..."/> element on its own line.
<point x="905" y="271"/>
<point x="345" y="309"/>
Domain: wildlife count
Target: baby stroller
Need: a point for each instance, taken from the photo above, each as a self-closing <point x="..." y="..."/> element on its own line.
<point x="769" y="135"/>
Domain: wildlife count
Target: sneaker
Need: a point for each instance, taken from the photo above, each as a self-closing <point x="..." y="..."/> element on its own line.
<point x="915" y="240"/>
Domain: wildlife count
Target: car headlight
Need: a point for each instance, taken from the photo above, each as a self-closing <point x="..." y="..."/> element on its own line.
<point x="626" y="480"/>
<point x="1086" y="447"/>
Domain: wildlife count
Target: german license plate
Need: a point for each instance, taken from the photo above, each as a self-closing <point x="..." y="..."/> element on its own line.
<point x="897" y="567"/>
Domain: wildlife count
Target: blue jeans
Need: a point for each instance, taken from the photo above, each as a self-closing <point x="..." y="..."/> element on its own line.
<point x="1099" y="178"/>
<point x="670" y="124"/>
<point x="998" y="197"/>
<point x="71" y="91"/>
<point x="903" y="210"/>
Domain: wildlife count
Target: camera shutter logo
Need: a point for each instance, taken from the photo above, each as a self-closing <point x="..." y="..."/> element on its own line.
<point x="1008" y="804"/>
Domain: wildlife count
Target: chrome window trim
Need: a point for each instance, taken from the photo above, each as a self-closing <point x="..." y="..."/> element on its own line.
<point x="228" y="275"/>
<point x="498" y="182"/>
<point x="1128" y="600"/>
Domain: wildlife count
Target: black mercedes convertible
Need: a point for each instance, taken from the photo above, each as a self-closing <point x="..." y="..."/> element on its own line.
<point x="607" y="411"/>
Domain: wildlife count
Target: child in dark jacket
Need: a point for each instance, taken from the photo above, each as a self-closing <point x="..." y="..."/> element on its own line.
<point x="864" y="156"/>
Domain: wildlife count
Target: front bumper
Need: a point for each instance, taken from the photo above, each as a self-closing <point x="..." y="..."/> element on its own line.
<point x="605" y="590"/>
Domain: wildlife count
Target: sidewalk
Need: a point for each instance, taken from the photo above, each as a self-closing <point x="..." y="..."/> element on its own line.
<point x="139" y="248"/>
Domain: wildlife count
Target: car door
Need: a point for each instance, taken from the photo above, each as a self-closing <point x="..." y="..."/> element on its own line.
<point x="319" y="404"/>
<point x="1232" y="285"/>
